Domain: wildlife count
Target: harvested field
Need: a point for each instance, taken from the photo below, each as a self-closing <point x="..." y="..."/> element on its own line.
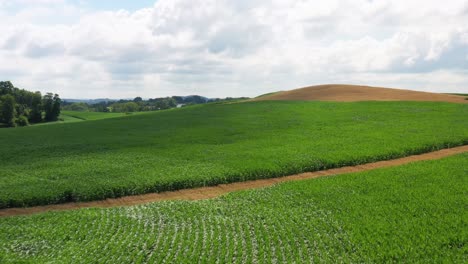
<point x="354" y="93"/>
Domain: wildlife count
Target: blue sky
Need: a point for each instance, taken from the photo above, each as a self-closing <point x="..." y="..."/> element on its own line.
<point x="221" y="48"/>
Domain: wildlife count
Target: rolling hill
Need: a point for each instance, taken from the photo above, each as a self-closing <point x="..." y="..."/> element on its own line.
<point x="353" y="93"/>
<point x="413" y="213"/>
<point x="212" y="144"/>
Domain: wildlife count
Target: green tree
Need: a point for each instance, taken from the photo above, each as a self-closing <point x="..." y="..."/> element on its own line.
<point x="8" y="111"/>
<point x="131" y="107"/>
<point x="48" y="105"/>
<point x="35" y="116"/>
<point x="165" y="103"/>
<point x="26" y="104"/>
<point x="51" y="104"/>
<point x="6" y="88"/>
<point x="81" y="107"/>
<point x="56" y="107"/>
<point x="125" y="107"/>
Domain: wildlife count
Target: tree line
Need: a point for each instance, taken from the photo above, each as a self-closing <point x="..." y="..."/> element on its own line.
<point x="19" y="107"/>
<point x="139" y="105"/>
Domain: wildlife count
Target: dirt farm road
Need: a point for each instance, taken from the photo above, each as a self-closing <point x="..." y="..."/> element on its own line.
<point x="218" y="190"/>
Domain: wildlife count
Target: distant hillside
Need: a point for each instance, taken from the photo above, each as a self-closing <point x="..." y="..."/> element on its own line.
<point x="351" y="93"/>
<point x="139" y="104"/>
<point x="90" y="101"/>
<point x="179" y="99"/>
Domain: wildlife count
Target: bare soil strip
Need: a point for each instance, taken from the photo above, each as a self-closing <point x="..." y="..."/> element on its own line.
<point x="215" y="191"/>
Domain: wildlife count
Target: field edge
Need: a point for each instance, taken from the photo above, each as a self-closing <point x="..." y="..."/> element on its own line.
<point x="208" y="192"/>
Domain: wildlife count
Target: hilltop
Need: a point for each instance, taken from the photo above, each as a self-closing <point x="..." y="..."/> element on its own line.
<point x="353" y="93"/>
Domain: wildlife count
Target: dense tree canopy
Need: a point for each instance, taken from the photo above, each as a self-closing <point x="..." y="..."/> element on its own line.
<point x="21" y="107"/>
<point x="51" y="105"/>
<point x="8" y="111"/>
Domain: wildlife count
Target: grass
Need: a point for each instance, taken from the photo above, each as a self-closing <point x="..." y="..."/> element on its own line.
<point x="67" y="119"/>
<point x="94" y="115"/>
<point x="79" y="116"/>
<point x="414" y="213"/>
<point x="211" y="144"/>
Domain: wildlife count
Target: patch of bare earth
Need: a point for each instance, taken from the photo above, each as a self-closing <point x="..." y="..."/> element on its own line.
<point x="215" y="191"/>
<point x="353" y="93"/>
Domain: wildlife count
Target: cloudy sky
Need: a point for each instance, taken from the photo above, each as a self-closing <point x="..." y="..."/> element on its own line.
<point x="219" y="48"/>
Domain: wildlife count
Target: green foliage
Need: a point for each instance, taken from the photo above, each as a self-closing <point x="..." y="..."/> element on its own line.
<point x="211" y="144"/>
<point x="6" y="88"/>
<point x="22" y="121"/>
<point x="163" y="103"/>
<point x="36" y="108"/>
<point x="28" y="104"/>
<point x="56" y="106"/>
<point x="81" y="107"/>
<point x="48" y="103"/>
<point x="410" y="214"/>
<point x="8" y="111"/>
<point x="125" y="107"/>
<point x="51" y="105"/>
<point x="141" y="105"/>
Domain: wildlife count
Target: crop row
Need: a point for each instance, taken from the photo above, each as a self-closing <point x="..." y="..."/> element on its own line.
<point x="412" y="213"/>
<point x="212" y="144"/>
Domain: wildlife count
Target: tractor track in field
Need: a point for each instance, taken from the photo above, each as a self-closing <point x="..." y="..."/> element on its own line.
<point x="218" y="190"/>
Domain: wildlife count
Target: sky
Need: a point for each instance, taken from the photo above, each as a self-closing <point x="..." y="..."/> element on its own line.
<point x="221" y="48"/>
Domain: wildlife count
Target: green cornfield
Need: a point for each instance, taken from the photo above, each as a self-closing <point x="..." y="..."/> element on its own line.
<point x="412" y="213"/>
<point x="211" y="144"/>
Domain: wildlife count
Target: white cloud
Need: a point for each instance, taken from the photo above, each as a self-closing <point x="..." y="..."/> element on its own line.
<point x="233" y="48"/>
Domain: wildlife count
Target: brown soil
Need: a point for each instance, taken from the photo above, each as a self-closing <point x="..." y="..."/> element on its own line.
<point x="352" y="93"/>
<point x="215" y="191"/>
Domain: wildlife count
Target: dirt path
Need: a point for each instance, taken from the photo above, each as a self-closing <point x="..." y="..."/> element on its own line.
<point x="215" y="191"/>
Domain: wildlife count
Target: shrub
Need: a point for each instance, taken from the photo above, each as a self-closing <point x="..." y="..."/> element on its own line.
<point x="22" y="121"/>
